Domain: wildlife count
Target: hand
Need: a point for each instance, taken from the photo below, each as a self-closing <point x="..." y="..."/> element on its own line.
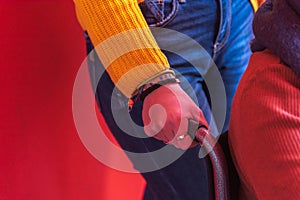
<point x="166" y="112"/>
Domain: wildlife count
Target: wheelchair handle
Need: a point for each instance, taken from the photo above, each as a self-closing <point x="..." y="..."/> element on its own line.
<point x="216" y="156"/>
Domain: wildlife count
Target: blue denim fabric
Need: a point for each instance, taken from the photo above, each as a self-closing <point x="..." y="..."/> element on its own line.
<point x="223" y="28"/>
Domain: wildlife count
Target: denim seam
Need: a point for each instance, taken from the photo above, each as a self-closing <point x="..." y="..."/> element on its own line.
<point x="154" y="9"/>
<point x="226" y="36"/>
<point x="218" y="45"/>
<point x="170" y="17"/>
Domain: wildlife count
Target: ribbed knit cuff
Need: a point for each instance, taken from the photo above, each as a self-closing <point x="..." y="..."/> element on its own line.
<point x="123" y="41"/>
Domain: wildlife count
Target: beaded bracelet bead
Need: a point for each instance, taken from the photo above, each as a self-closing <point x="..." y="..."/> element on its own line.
<point x="149" y="87"/>
<point x="156" y="77"/>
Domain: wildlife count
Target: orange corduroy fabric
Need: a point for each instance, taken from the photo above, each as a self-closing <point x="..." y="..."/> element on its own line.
<point x="264" y="133"/>
<point x="142" y="58"/>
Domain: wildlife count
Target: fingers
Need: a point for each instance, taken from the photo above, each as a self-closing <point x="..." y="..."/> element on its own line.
<point x="170" y="134"/>
<point x="179" y="136"/>
<point x="166" y="113"/>
<point x="156" y="133"/>
<point x="198" y="116"/>
<point x="172" y="129"/>
<point x="182" y="142"/>
<point x="156" y="117"/>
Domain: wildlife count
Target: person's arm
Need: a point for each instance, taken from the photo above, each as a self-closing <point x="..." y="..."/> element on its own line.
<point x="118" y="27"/>
<point x="132" y="58"/>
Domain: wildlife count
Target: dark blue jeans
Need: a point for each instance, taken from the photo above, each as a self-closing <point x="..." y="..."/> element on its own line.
<point x="223" y="28"/>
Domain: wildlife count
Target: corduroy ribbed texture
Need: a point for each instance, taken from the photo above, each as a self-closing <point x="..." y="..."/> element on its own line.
<point x="117" y="27"/>
<point x="264" y="133"/>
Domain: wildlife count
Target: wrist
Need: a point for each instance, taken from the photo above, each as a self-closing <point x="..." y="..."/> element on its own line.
<point x="165" y="77"/>
<point x="154" y="87"/>
<point x="166" y="74"/>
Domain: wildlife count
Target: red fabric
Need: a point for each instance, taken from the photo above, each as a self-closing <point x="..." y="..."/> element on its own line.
<point x="41" y="156"/>
<point x="264" y="132"/>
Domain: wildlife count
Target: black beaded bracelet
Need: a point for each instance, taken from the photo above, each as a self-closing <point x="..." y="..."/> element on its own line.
<point x="142" y="94"/>
<point x="156" y="86"/>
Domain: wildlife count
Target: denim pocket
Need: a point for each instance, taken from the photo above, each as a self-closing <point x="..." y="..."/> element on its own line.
<point x="159" y="13"/>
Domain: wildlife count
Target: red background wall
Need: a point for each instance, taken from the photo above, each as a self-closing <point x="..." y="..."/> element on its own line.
<point x="41" y="156"/>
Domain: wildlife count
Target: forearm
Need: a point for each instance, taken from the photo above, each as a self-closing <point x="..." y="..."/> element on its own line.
<point x="123" y="41"/>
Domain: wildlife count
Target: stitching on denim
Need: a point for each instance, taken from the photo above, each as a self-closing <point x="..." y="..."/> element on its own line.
<point x="157" y="9"/>
<point x="218" y="45"/>
<point x="153" y="6"/>
<point x="228" y="26"/>
<point x="170" y="17"/>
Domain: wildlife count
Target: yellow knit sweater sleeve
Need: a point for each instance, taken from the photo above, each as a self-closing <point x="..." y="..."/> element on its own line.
<point x="123" y="41"/>
<point x="256" y="4"/>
